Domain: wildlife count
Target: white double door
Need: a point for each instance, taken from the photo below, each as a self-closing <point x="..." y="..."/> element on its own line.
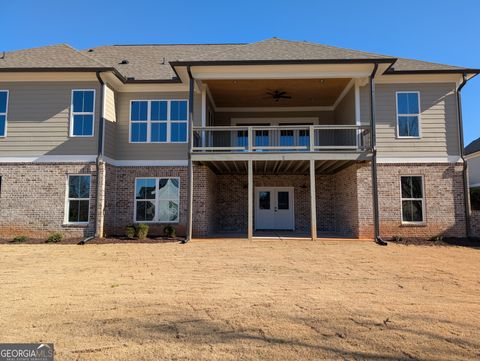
<point x="274" y="208"/>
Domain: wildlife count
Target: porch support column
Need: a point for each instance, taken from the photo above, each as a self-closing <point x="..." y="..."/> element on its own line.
<point x="313" y="200"/>
<point x="250" y="200"/>
<point x="190" y="163"/>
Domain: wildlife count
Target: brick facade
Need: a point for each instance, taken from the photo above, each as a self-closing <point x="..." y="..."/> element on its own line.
<point x="475" y="224"/>
<point x="344" y="200"/>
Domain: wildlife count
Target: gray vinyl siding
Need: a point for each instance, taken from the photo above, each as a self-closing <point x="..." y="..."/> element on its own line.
<point x="438" y="120"/>
<point x="38" y="120"/>
<point x="149" y="151"/>
<point x="345" y="110"/>
<point x="110" y="123"/>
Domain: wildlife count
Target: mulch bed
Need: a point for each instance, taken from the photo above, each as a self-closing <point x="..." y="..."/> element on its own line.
<point x="459" y="242"/>
<point x="99" y="240"/>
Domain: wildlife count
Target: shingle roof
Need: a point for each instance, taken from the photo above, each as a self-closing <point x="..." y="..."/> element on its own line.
<point x="50" y="57"/>
<point x="154" y="62"/>
<point x="473" y="147"/>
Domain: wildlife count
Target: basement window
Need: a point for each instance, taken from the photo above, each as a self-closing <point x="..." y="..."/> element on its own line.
<point x="82" y="113"/>
<point x="3" y="112"/>
<point x="408" y="114"/>
<point x="413" y="202"/>
<point x="157" y="200"/>
<point x="78" y="199"/>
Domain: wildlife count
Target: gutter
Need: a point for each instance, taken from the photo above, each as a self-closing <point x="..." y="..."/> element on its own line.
<point x="101" y="125"/>
<point x="373" y="144"/>
<point x="466" y="192"/>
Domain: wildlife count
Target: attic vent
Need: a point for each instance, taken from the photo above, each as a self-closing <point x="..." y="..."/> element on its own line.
<point x="124" y="61"/>
<point x="163" y="61"/>
<point x="131" y="78"/>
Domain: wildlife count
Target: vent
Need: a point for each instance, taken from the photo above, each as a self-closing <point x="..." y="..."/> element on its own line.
<point x="124" y="61"/>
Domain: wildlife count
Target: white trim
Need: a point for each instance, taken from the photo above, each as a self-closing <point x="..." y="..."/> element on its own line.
<point x="423" y="221"/>
<point x="474" y="185"/>
<point x="398" y="136"/>
<point x="50" y="159"/>
<point x="344" y="92"/>
<point x="67" y="199"/>
<point x="104" y="114"/>
<point x="273" y="109"/>
<point x="446" y="159"/>
<point x="204" y="106"/>
<point x="149" y="122"/>
<point x="472" y="155"/>
<point x="72" y="113"/>
<point x="156" y="201"/>
<point x="6" y="113"/>
<point x="357" y="103"/>
<point x="146" y="163"/>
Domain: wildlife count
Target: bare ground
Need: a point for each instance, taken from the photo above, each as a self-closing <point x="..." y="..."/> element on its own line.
<point x="239" y="300"/>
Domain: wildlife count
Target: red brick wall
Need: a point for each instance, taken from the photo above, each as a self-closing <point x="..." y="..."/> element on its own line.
<point x="475" y="224"/>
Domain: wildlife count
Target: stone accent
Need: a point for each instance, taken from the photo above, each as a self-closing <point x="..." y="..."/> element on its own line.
<point x="33" y="197"/>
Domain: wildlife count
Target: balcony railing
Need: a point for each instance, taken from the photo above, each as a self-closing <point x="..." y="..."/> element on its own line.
<point x="302" y="138"/>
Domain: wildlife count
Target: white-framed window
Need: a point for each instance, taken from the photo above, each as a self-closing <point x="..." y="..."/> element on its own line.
<point x="3" y="112"/>
<point x="408" y="114"/>
<point x="157" y="200"/>
<point x="78" y="199"/>
<point x="82" y="119"/>
<point x="412" y="198"/>
<point x="159" y="121"/>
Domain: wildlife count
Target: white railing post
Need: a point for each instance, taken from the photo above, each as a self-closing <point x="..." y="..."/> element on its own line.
<point x="311" y="137"/>
<point x="250" y="139"/>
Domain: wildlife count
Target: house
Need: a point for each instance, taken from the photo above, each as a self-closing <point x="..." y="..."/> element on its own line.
<point x="249" y="139"/>
<point x="472" y="155"/>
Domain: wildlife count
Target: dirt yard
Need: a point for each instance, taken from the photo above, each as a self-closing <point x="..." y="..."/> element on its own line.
<point x="239" y="300"/>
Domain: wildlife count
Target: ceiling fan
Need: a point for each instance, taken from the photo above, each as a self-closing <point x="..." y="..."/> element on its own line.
<point x="278" y="94"/>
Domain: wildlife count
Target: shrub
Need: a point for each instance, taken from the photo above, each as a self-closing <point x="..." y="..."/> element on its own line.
<point x="170" y="231"/>
<point x="19" y="239"/>
<point x="130" y="232"/>
<point x="397" y="238"/>
<point x="55" y="238"/>
<point x="141" y="231"/>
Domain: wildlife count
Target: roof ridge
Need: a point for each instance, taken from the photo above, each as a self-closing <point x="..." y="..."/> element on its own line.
<point x="172" y="44"/>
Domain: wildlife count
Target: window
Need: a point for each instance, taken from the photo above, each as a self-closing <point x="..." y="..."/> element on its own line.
<point x="78" y="198"/>
<point x="408" y="114"/>
<point x="83" y="108"/>
<point x="157" y="200"/>
<point x="158" y="121"/>
<point x="3" y="112"/>
<point x="412" y="199"/>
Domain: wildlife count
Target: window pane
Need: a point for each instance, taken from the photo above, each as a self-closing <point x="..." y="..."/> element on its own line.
<point x="408" y="103"/>
<point x="83" y="101"/>
<point x="139" y="132"/>
<point x="139" y="110"/>
<point x="178" y="110"/>
<point x="303" y="138"/>
<point x="242" y="138"/>
<point x="83" y="125"/>
<point x="3" y="123"/>
<point x="168" y="188"/>
<point x="286" y="137"/>
<point x="145" y="211"/>
<point x="168" y="211"/>
<point x="79" y="186"/>
<point x="159" y="132"/>
<point x="283" y="200"/>
<point x="408" y="126"/>
<point x="264" y="198"/>
<point x="412" y="211"/>
<point x="78" y="211"/>
<point x="158" y="110"/>
<point x="145" y="189"/>
<point x="261" y="138"/>
<point x="179" y="132"/>
<point x="3" y="102"/>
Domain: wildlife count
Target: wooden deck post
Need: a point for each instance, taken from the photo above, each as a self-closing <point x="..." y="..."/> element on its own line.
<point x="313" y="200"/>
<point x="250" y="200"/>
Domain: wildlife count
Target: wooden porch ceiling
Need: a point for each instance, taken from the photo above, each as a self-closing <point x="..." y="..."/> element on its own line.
<point x="279" y="167"/>
<point x="253" y="93"/>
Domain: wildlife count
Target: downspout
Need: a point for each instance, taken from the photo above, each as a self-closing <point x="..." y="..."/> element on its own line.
<point x="188" y="236"/>
<point x="462" y="154"/>
<point x="97" y="160"/>
<point x="373" y="146"/>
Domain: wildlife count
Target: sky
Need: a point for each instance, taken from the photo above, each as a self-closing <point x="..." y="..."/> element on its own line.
<point x="439" y="31"/>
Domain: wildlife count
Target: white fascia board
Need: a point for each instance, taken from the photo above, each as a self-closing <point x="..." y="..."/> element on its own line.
<point x="398" y="160"/>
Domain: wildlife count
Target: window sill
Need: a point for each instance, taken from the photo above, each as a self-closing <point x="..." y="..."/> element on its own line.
<point x="79" y="224"/>
<point x="408" y="138"/>
<point x="154" y="222"/>
<point x="413" y="224"/>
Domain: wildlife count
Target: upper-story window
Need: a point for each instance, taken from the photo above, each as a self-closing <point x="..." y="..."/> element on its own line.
<point x="158" y="121"/>
<point x="3" y="112"/>
<point x="408" y="114"/>
<point x="82" y="114"/>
